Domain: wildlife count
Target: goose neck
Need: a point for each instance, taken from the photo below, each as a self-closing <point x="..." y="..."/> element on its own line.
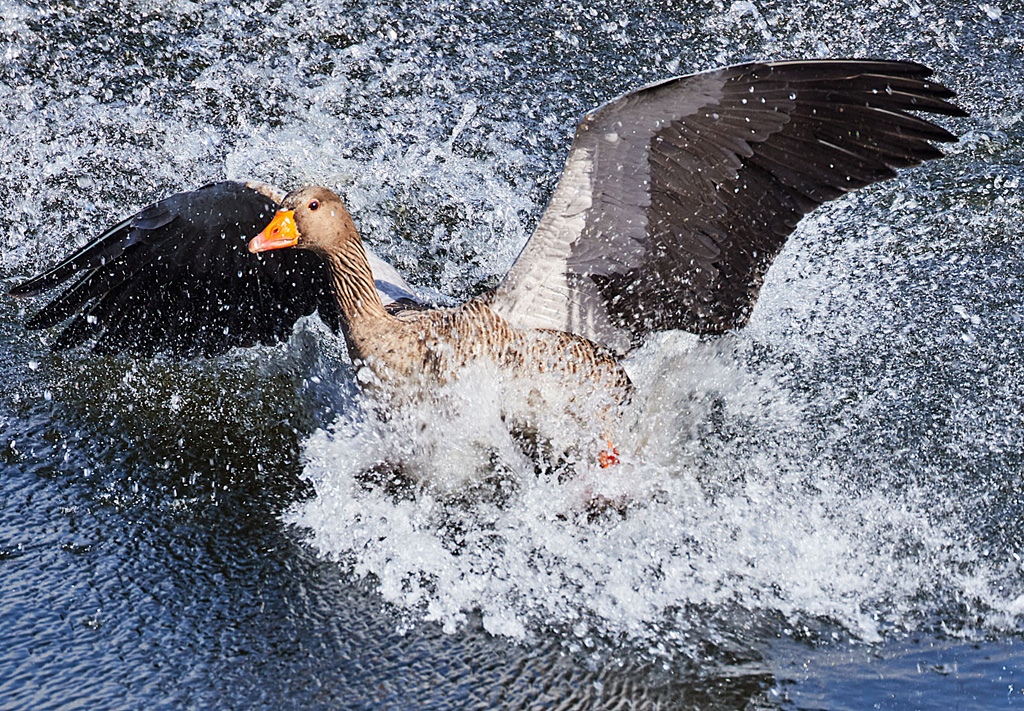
<point x="353" y="284"/>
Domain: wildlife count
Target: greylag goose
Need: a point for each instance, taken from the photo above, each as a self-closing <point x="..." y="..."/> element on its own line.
<point x="674" y="200"/>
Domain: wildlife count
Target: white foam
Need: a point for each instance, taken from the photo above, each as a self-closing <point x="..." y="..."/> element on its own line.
<point x="726" y="502"/>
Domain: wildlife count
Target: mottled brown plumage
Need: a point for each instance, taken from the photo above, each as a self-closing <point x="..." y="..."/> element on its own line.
<point x="411" y="351"/>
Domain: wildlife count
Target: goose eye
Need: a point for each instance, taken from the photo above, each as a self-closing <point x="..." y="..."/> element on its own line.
<point x="313" y="205"/>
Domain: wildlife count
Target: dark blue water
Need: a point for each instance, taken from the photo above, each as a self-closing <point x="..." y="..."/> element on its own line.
<point x="832" y="515"/>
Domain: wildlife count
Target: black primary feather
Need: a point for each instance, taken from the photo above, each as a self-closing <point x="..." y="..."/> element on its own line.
<point x="178" y="277"/>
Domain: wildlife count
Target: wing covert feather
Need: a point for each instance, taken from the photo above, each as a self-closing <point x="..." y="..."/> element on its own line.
<point x="676" y="198"/>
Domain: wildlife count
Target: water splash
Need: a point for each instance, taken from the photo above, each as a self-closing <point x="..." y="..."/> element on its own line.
<point x="726" y="497"/>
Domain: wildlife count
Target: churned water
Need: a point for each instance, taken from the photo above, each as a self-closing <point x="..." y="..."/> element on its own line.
<point x="822" y="511"/>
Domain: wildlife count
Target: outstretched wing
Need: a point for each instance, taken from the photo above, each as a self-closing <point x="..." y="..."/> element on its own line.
<point x="676" y="198"/>
<point x="178" y="277"/>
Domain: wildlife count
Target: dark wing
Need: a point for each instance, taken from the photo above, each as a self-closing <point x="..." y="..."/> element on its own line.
<point x="178" y="277"/>
<point x="676" y="198"/>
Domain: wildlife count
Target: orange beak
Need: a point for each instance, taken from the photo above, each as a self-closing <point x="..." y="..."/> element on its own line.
<point x="281" y="232"/>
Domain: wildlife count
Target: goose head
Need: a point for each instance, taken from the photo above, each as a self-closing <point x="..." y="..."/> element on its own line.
<point x="312" y="218"/>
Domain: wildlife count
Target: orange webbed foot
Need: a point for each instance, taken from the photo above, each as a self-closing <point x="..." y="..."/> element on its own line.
<point x="608" y="456"/>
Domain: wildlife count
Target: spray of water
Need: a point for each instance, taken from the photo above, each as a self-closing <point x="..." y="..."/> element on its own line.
<point x="726" y="496"/>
